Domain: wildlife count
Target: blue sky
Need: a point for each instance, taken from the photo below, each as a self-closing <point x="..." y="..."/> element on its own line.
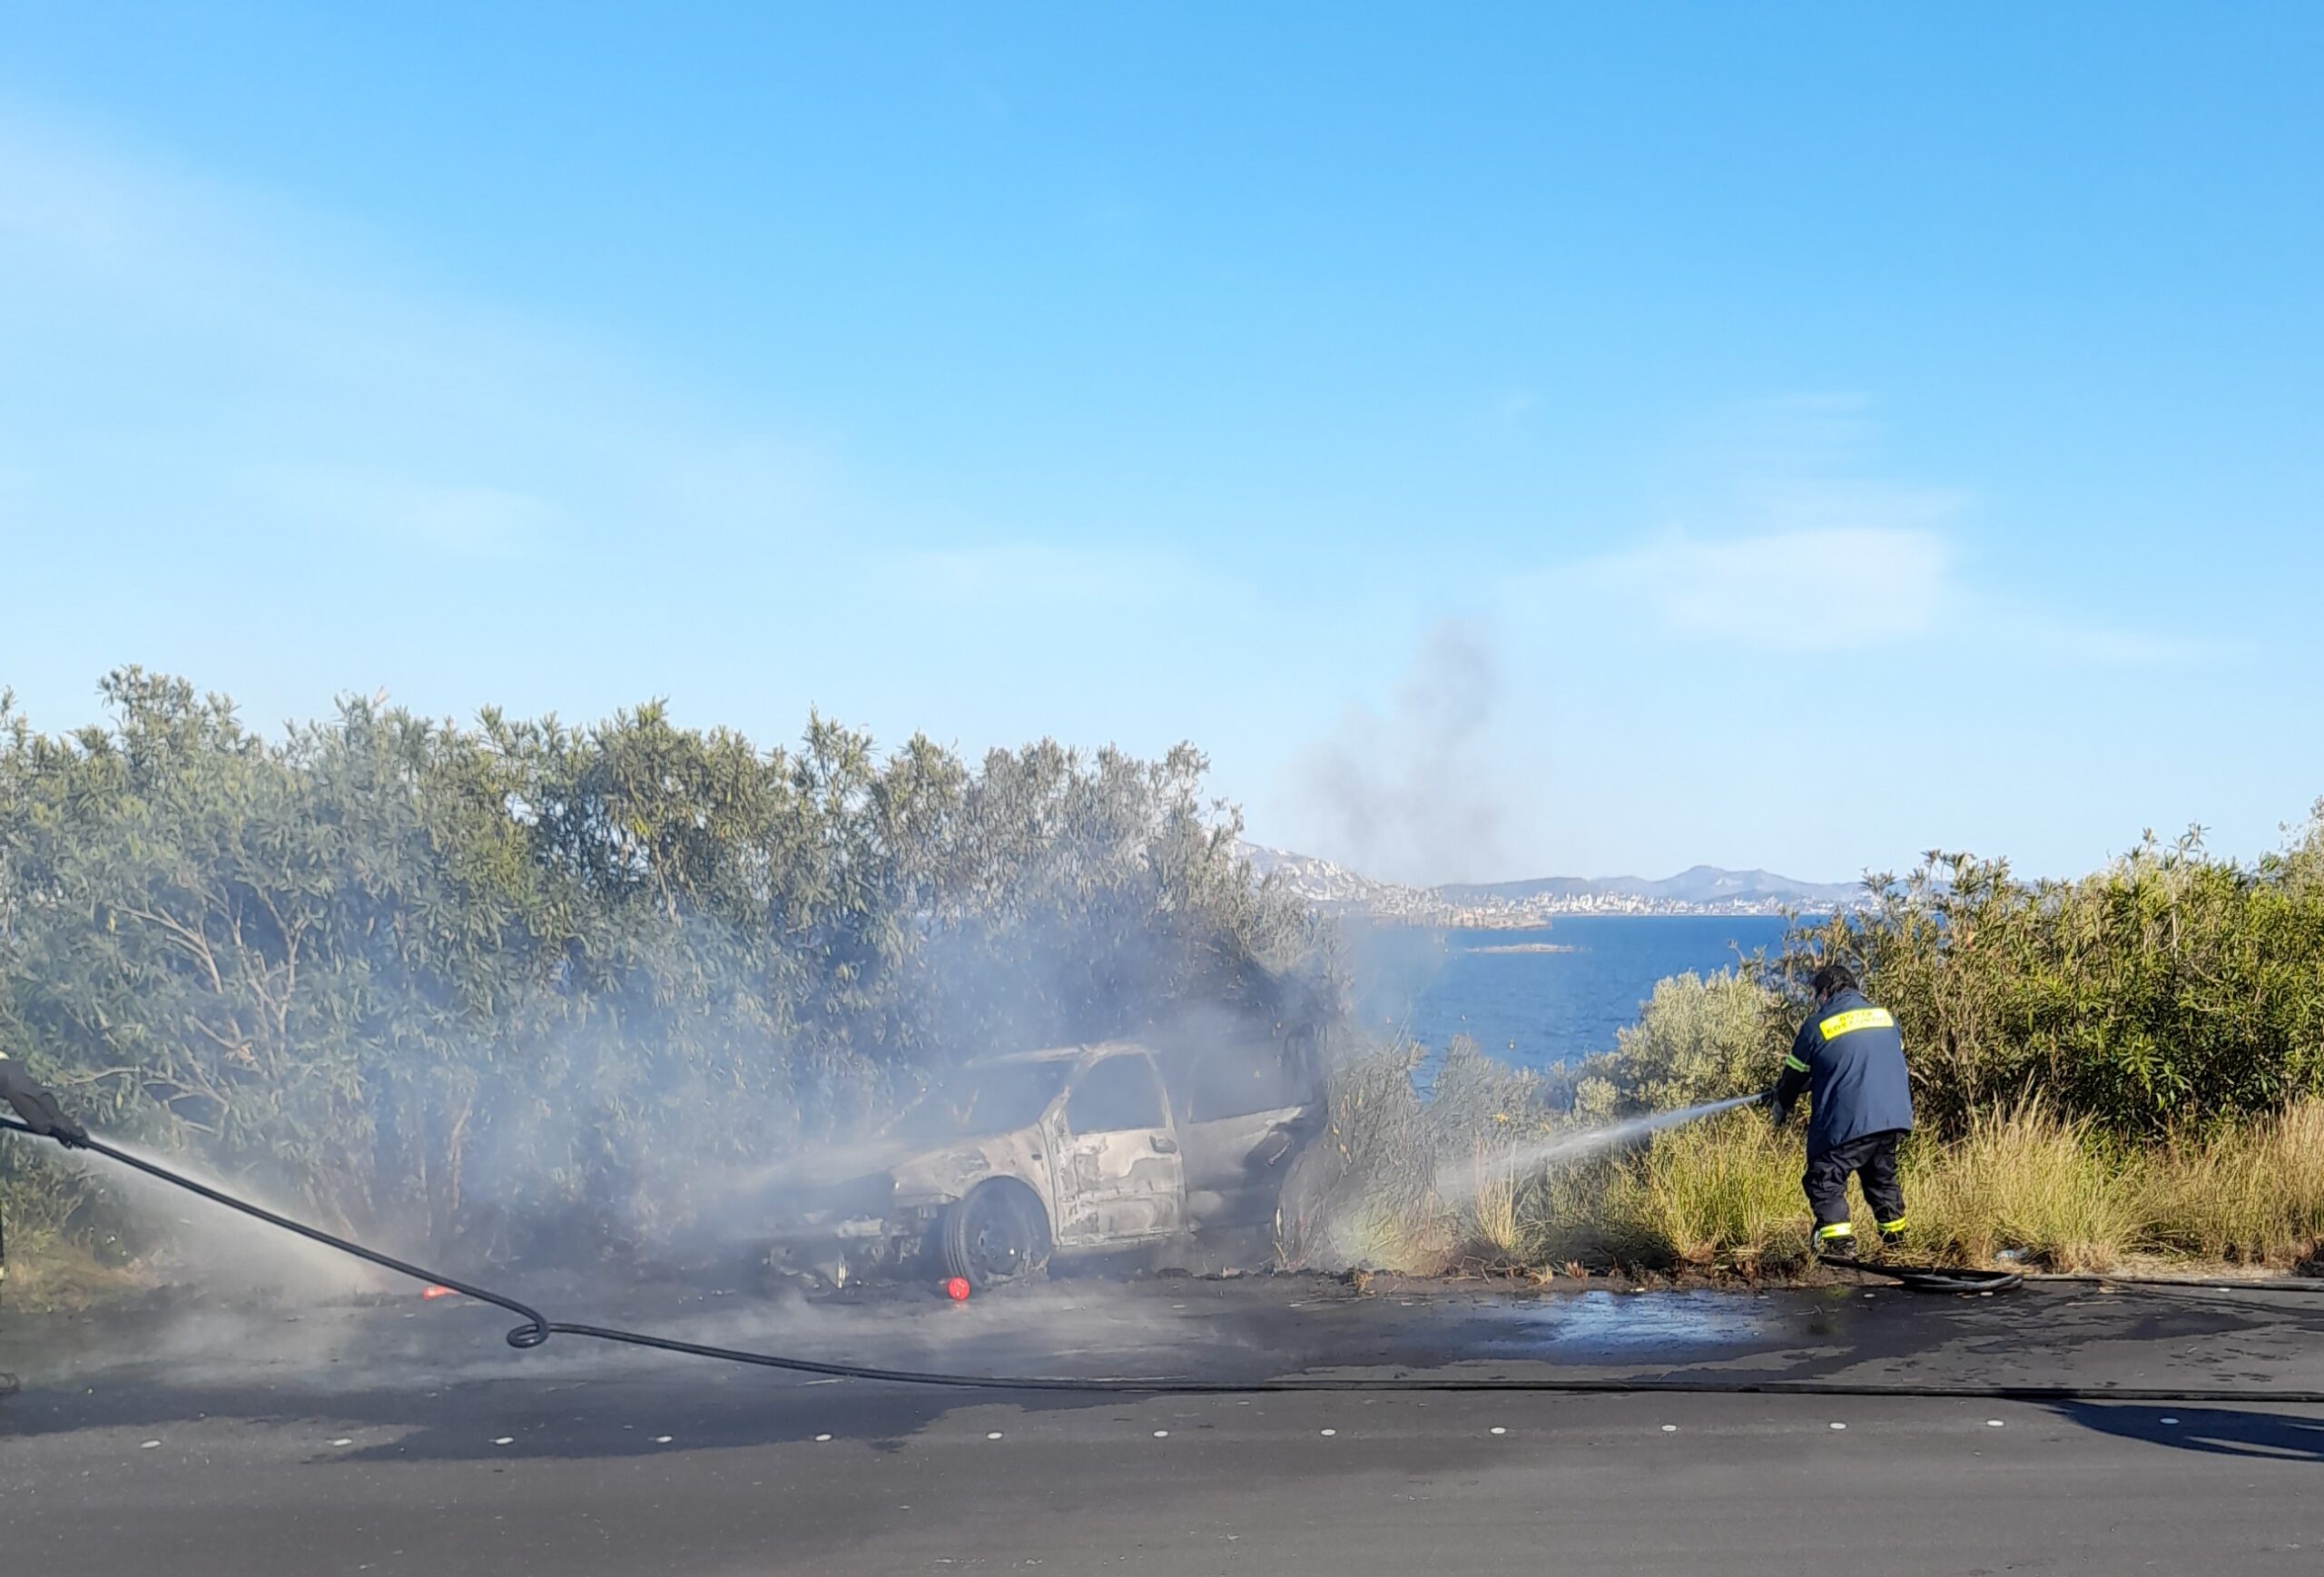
<point x="1509" y="441"/>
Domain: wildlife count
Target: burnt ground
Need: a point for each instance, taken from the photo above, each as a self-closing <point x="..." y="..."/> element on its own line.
<point x="396" y="1436"/>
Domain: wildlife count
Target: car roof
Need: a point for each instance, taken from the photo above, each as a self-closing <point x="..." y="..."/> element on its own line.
<point x="1058" y="1054"/>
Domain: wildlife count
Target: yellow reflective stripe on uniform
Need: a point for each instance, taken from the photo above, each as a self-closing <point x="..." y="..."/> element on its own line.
<point x="1840" y="1024"/>
<point x="1895" y="1225"/>
<point x="1842" y="1230"/>
<point x="1794" y="1064"/>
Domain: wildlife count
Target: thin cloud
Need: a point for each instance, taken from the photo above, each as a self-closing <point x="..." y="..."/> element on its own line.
<point x="1814" y="553"/>
<point x="1839" y="589"/>
<point x="1836" y="589"/>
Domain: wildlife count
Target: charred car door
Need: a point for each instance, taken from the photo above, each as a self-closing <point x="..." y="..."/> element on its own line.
<point x="1242" y="1120"/>
<point x="1119" y="1174"/>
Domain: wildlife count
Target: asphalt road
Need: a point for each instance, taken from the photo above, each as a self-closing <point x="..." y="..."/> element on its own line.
<point x="398" y="1439"/>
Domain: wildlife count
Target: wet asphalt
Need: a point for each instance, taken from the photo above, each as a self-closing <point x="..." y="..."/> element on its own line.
<point x="396" y="1437"/>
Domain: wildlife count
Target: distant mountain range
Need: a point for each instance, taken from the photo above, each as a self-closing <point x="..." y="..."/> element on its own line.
<point x="1696" y="884"/>
<point x="1700" y="889"/>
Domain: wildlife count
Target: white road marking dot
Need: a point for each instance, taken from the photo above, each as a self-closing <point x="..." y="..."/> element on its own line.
<point x="342" y="1443"/>
<point x="2171" y="1421"/>
<point x="1497" y="1429"/>
<point x="1840" y="1426"/>
<point x="1673" y="1429"/>
<point x="823" y="1437"/>
<point x="1161" y="1435"/>
<point x="149" y="1446"/>
<point x="661" y="1439"/>
<point x="1992" y="1423"/>
<point x="1327" y="1431"/>
<point x="994" y="1435"/>
<point x="506" y="1440"/>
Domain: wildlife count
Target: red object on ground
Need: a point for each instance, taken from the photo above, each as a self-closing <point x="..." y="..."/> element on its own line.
<point x="433" y="1293"/>
<point x="957" y="1289"/>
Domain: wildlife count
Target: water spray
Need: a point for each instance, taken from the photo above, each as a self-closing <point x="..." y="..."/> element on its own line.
<point x="1461" y="1182"/>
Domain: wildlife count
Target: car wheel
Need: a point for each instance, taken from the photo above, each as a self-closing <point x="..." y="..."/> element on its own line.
<point x="999" y="1232"/>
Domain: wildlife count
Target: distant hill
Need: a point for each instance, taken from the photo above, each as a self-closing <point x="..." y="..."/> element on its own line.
<point x="1317" y="879"/>
<point x="1700" y="890"/>
<point x="1703" y="884"/>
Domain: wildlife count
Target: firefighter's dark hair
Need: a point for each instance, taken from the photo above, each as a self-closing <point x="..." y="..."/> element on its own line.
<point x="1833" y="976"/>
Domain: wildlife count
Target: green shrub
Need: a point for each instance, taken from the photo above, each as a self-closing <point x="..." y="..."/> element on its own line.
<point x="1698" y="1039"/>
<point x="2171" y="988"/>
<point x="1400" y="1181"/>
<point x="456" y="980"/>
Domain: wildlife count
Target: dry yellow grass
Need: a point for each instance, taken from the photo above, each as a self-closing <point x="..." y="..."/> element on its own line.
<point x="2025" y="1179"/>
<point x="1380" y="1235"/>
<point x="1724" y="1192"/>
<point x="1494" y="1228"/>
<point x="2253" y="1195"/>
<point x="47" y="1273"/>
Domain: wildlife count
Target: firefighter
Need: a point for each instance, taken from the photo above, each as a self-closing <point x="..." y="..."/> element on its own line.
<point x="1850" y="1060"/>
<point x="41" y="1113"/>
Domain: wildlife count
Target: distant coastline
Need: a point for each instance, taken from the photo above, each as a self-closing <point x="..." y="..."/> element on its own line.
<point x="1541" y="919"/>
<point x="1703" y="890"/>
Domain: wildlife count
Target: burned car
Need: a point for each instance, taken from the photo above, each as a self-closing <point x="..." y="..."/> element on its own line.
<point x="1011" y="1158"/>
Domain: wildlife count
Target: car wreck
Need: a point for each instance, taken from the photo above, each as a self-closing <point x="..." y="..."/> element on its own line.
<point x="1071" y="1149"/>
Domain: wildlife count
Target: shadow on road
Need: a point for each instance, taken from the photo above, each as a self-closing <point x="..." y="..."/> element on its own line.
<point x="2223" y="1432"/>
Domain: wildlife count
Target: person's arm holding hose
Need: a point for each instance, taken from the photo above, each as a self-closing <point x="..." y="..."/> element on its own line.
<point x="1794" y="1082"/>
<point x="37" y="1107"/>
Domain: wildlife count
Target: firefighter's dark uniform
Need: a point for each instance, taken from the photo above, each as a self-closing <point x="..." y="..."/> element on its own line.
<point x="1850" y="1060"/>
<point x="36" y="1105"/>
<point x="41" y="1113"/>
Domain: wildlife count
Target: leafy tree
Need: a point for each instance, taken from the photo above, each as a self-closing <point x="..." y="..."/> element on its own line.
<point x="487" y="981"/>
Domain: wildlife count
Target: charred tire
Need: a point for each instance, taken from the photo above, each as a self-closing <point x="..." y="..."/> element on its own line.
<point x="999" y="1232"/>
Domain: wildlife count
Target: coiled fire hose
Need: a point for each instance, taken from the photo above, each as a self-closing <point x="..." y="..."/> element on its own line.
<point x="537" y="1327"/>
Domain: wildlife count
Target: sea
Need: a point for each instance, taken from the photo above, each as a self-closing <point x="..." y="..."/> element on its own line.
<point x="1541" y="997"/>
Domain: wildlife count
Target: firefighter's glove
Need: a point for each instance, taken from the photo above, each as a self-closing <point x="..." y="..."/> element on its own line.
<point x="46" y="1117"/>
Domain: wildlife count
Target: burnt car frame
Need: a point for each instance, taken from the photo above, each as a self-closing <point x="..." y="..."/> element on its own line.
<point x="1072" y="1149"/>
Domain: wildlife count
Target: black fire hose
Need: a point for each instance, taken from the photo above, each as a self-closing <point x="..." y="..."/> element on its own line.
<point x="1930" y="1277"/>
<point x="538" y="1327"/>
